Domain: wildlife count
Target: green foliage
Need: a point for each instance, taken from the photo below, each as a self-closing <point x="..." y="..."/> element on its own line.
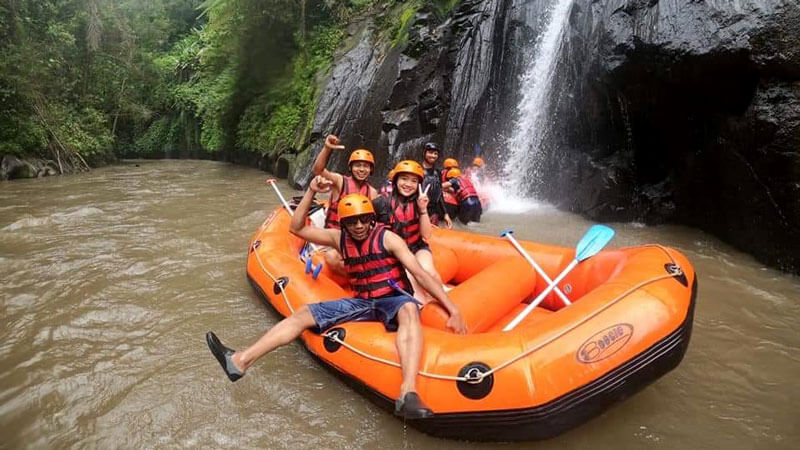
<point x="160" y="139"/>
<point x="148" y="77"/>
<point x="274" y="120"/>
<point x="86" y="129"/>
<point x="405" y="16"/>
<point x="21" y="135"/>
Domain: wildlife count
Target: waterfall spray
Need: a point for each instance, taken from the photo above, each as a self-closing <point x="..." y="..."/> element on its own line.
<point x="531" y="127"/>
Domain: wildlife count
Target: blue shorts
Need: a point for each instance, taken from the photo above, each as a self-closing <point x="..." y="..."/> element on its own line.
<point x="384" y="309"/>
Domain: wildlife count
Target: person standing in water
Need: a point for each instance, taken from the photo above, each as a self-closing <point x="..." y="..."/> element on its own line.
<point x="469" y="204"/>
<point x="450" y="200"/>
<point x="373" y="256"/>
<point x="432" y="182"/>
<point x="361" y="164"/>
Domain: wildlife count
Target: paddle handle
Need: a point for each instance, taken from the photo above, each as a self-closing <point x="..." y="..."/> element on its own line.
<point x="507" y="234"/>
<point x="272" y="183"/>
<point x="397" y="288"/>
<point x="541" y="297"/>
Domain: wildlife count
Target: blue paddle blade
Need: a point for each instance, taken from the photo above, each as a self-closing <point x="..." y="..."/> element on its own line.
<point x="596" y="237"/>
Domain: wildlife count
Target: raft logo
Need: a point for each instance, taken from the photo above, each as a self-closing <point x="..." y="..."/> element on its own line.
<point x="605" y="343"/>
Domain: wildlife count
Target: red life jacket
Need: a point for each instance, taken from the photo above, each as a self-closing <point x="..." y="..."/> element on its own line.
<point x="404" y="221"/>
<point x="449" y="197"/>
<point x="370" y="266"/>
<point x="467" y="189"/>
<point x="349" y="186"/>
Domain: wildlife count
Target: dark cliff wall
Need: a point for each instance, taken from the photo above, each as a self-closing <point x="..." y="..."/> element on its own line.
<point x="664" y="111"/>
<point x="451" y="82"/>
<point x="684" y="112"/>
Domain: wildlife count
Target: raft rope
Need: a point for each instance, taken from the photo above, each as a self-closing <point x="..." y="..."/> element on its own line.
<point x="475" y="376"/>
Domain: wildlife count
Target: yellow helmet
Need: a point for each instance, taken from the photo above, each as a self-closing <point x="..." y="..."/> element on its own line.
<point x="352" y="205"/>
<point x="449" y="163"/>
<point x="409" y="166"/>
<point x="361" y="155"/>
<point x="453" y="173"/>
<point x="478" y="161"/>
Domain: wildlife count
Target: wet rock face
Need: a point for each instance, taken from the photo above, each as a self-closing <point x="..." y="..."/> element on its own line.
<point x="684" y="112"/>
<point x="447" y="84"/>
<point x="665" y="110"/>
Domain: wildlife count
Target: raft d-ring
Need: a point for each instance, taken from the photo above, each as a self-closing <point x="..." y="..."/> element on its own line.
<point x="255" y="245"/>
<point x="677" y="273"/>
<point x="332" y="339"/>
<point x="474" y="376"/>
<point x="477" y="385"/>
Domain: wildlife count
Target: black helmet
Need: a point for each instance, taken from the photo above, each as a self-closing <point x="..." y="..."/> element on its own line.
<point x="430" y="147"/>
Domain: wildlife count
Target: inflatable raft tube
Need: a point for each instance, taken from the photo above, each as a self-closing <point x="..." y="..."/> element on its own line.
<point x="629" y="323"/>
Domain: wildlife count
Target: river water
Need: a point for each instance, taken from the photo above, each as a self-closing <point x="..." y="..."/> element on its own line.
<point x="110" y="280"/>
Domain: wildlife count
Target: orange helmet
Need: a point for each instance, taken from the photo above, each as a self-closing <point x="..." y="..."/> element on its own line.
<point x="478" y="161"/>
<point x="391" y="175"/>
<point x="361" y="155"/>
<point x="409" y="166"/>
<point x="449" y="163"/>
<point x="453" y="173"/>
<point x="352" y="205"/>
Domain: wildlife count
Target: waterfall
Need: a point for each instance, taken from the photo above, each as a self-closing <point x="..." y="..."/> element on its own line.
<point x="531" y="126"/>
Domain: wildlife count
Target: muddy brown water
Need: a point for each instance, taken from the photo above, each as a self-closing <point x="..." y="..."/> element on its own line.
<point x="109" y="280"/>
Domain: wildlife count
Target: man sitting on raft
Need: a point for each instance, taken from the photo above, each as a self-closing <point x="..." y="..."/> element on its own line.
<point x="361" y="164"/>
<point x="373" y="256"/>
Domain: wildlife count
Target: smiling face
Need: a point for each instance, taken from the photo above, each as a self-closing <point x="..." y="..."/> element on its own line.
<point x="407" y="184"/>
<point x="358" y="226"/>
<point x="431" y="156"/>
<point x="361" y="170"/>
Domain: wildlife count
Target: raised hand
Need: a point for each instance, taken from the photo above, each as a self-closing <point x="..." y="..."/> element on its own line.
<point x="332" y="142"/>
<point x="423" y="199"/>
<point x="320" y="184"/>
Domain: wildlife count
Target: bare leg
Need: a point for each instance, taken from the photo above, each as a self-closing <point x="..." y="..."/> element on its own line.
<point x="409" y="346"/>
<point x="425" y="259"/>
<point x="284" y="332"/>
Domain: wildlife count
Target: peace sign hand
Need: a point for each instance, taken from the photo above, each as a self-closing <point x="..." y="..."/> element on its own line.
<point x="423" y="199"/>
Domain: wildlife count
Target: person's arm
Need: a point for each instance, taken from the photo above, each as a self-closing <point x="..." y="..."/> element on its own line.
<point x="298" y="227"/>
<point x="320" y="164"/>
<point x="425" y="226"/>
<point x="395" y="244"/>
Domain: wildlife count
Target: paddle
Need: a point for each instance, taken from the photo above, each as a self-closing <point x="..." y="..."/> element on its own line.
<point x="397" y="288"/>
<point x="309" y="267"/>
<point x="596" y="237"/>
<point x="507" y="234"/>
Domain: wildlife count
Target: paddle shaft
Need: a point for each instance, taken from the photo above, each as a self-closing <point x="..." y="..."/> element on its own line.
<point x="541" y="297"/>
<point x="280" y="196"/>
<point x="289" y="209"/>
<point x="539" y="270"/>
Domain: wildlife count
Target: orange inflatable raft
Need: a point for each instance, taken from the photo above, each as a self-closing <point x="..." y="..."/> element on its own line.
<point x="629" y="323"/>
